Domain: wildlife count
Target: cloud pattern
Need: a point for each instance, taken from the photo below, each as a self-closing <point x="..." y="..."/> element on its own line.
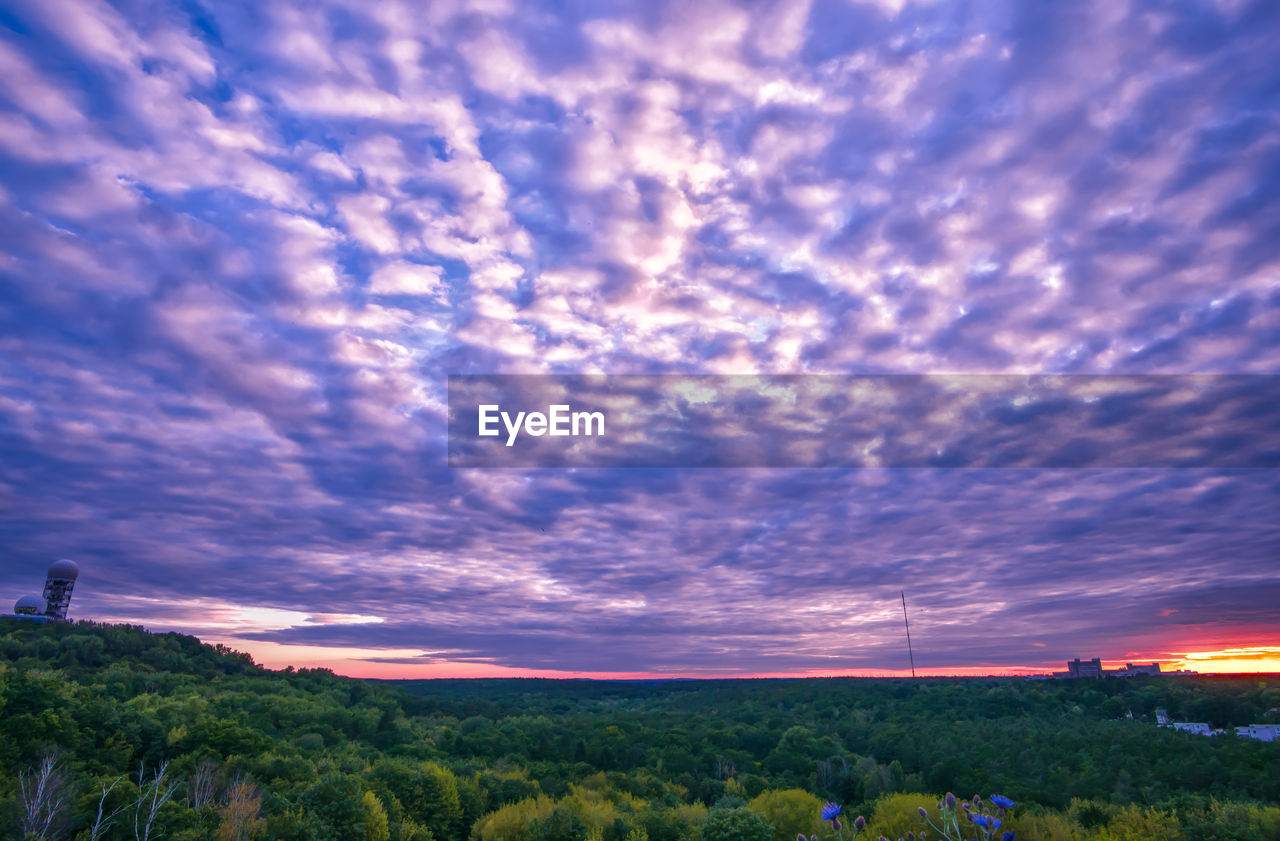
<point x="242" y="246"/>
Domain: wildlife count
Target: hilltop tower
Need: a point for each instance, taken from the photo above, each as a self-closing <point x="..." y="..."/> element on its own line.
<point x="57" y="588"/>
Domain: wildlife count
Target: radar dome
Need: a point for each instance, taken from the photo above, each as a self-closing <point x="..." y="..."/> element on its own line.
<point x="64" y="569"/>
<point x="29" y="606"/>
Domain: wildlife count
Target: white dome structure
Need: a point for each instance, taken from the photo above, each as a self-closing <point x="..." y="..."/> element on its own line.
<point x="65" y="569"/>
<point x="31" y="605"/>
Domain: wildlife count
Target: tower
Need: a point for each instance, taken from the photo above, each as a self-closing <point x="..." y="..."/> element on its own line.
<point x="57" y="588"/>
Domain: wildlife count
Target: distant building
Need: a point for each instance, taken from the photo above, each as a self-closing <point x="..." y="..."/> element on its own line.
<point x="1093" y="668"/>
<point x="1261" y="732"/>
<point x="1162" y="717"/>
<point x="1131" y="669"/>
<point x="1199" y="727"/>
<point x="1084" y="668"/>
<point x="57" y="588"/>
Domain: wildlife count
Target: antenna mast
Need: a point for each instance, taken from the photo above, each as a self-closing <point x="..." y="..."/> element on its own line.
<point x="910" y="653"/>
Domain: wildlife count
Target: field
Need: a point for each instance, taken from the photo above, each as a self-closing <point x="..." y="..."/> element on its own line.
<point x="310" y="756"/>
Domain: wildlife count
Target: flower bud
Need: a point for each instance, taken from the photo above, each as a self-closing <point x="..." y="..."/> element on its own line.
<point x="800" y="837"/>
<point x="859" y="823"/>
<point x="922" y="812"/>
<point x="950" y="800"/>
<point x="835" y="822"/>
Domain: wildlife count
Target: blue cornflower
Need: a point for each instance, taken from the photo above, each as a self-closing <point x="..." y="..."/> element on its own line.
<point x="1002" y="801"/>
<point x="831" y="811"/>
<point x="1008" y="836"/>
<point x="987" y="822"/>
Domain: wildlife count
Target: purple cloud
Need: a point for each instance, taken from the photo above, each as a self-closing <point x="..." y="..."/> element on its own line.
<point x="242" y="248"/>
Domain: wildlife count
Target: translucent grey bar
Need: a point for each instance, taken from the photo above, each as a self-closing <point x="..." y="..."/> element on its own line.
<point x="847" y="421"/>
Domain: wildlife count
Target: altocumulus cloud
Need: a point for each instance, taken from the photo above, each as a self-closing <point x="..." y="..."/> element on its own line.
<point x="243" y="245"/>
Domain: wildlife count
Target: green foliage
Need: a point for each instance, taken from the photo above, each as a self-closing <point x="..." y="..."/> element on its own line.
<point x="1137" y="823"/>
<point x="736" y="824"/>
<point x="895" y="815"/>
<point x="561" y="825"/>
<point x="791" y="812"/>
<point x="376" y="826"/>
<point x="336" y="802"/>
<point x="322" y="758"/>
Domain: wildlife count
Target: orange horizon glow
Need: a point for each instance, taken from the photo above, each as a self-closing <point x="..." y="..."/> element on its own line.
<point x="355" y="663"/>
<point x="222" y="624"/>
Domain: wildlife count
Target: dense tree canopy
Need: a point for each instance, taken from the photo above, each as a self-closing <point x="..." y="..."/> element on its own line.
<point x="309" y="756"/>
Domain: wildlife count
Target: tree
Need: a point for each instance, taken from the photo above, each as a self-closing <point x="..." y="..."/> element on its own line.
<point x="337" y="801"/>
<point x="792" y="812"/>
<point x="442" y="808"/>
<point x="561" y="825"/>
<point x="376" y="827"/>
<point x="738" y="824"/>
<point x="241" y="813"/>
<point x="204" y="784"/>
<point x="104" y="818"/>
<point x="152" y="795"/>
<point x="42" y="794"/>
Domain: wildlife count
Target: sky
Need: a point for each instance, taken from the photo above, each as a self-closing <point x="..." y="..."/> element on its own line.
<point x="244" y="245"/>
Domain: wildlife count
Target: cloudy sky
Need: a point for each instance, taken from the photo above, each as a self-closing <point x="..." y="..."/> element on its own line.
<point x="243" y="245"/>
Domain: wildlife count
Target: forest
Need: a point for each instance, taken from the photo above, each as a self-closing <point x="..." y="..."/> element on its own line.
<point x="109" y="732"/>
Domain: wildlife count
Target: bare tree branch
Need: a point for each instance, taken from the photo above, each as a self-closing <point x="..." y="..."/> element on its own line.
<point x="204" y="784"/>
<point x="152" y="795"/>
<point x="103" y="822"/>
<point x="42" y="793"/>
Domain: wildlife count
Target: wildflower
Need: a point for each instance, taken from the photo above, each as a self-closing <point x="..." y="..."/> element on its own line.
<point x="830" y="811"/>
<point x="800" y="837"/>
<point x="950" y="800"/>
<point x="1008" y="836"/>
<point x="911" y="836"/>
<point x="980" y="820"/>
<point x="859" y="823"/>
<point x="1002" y="801"/>
<point x="922" y="812"/>
<point x="977" y="799"/>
